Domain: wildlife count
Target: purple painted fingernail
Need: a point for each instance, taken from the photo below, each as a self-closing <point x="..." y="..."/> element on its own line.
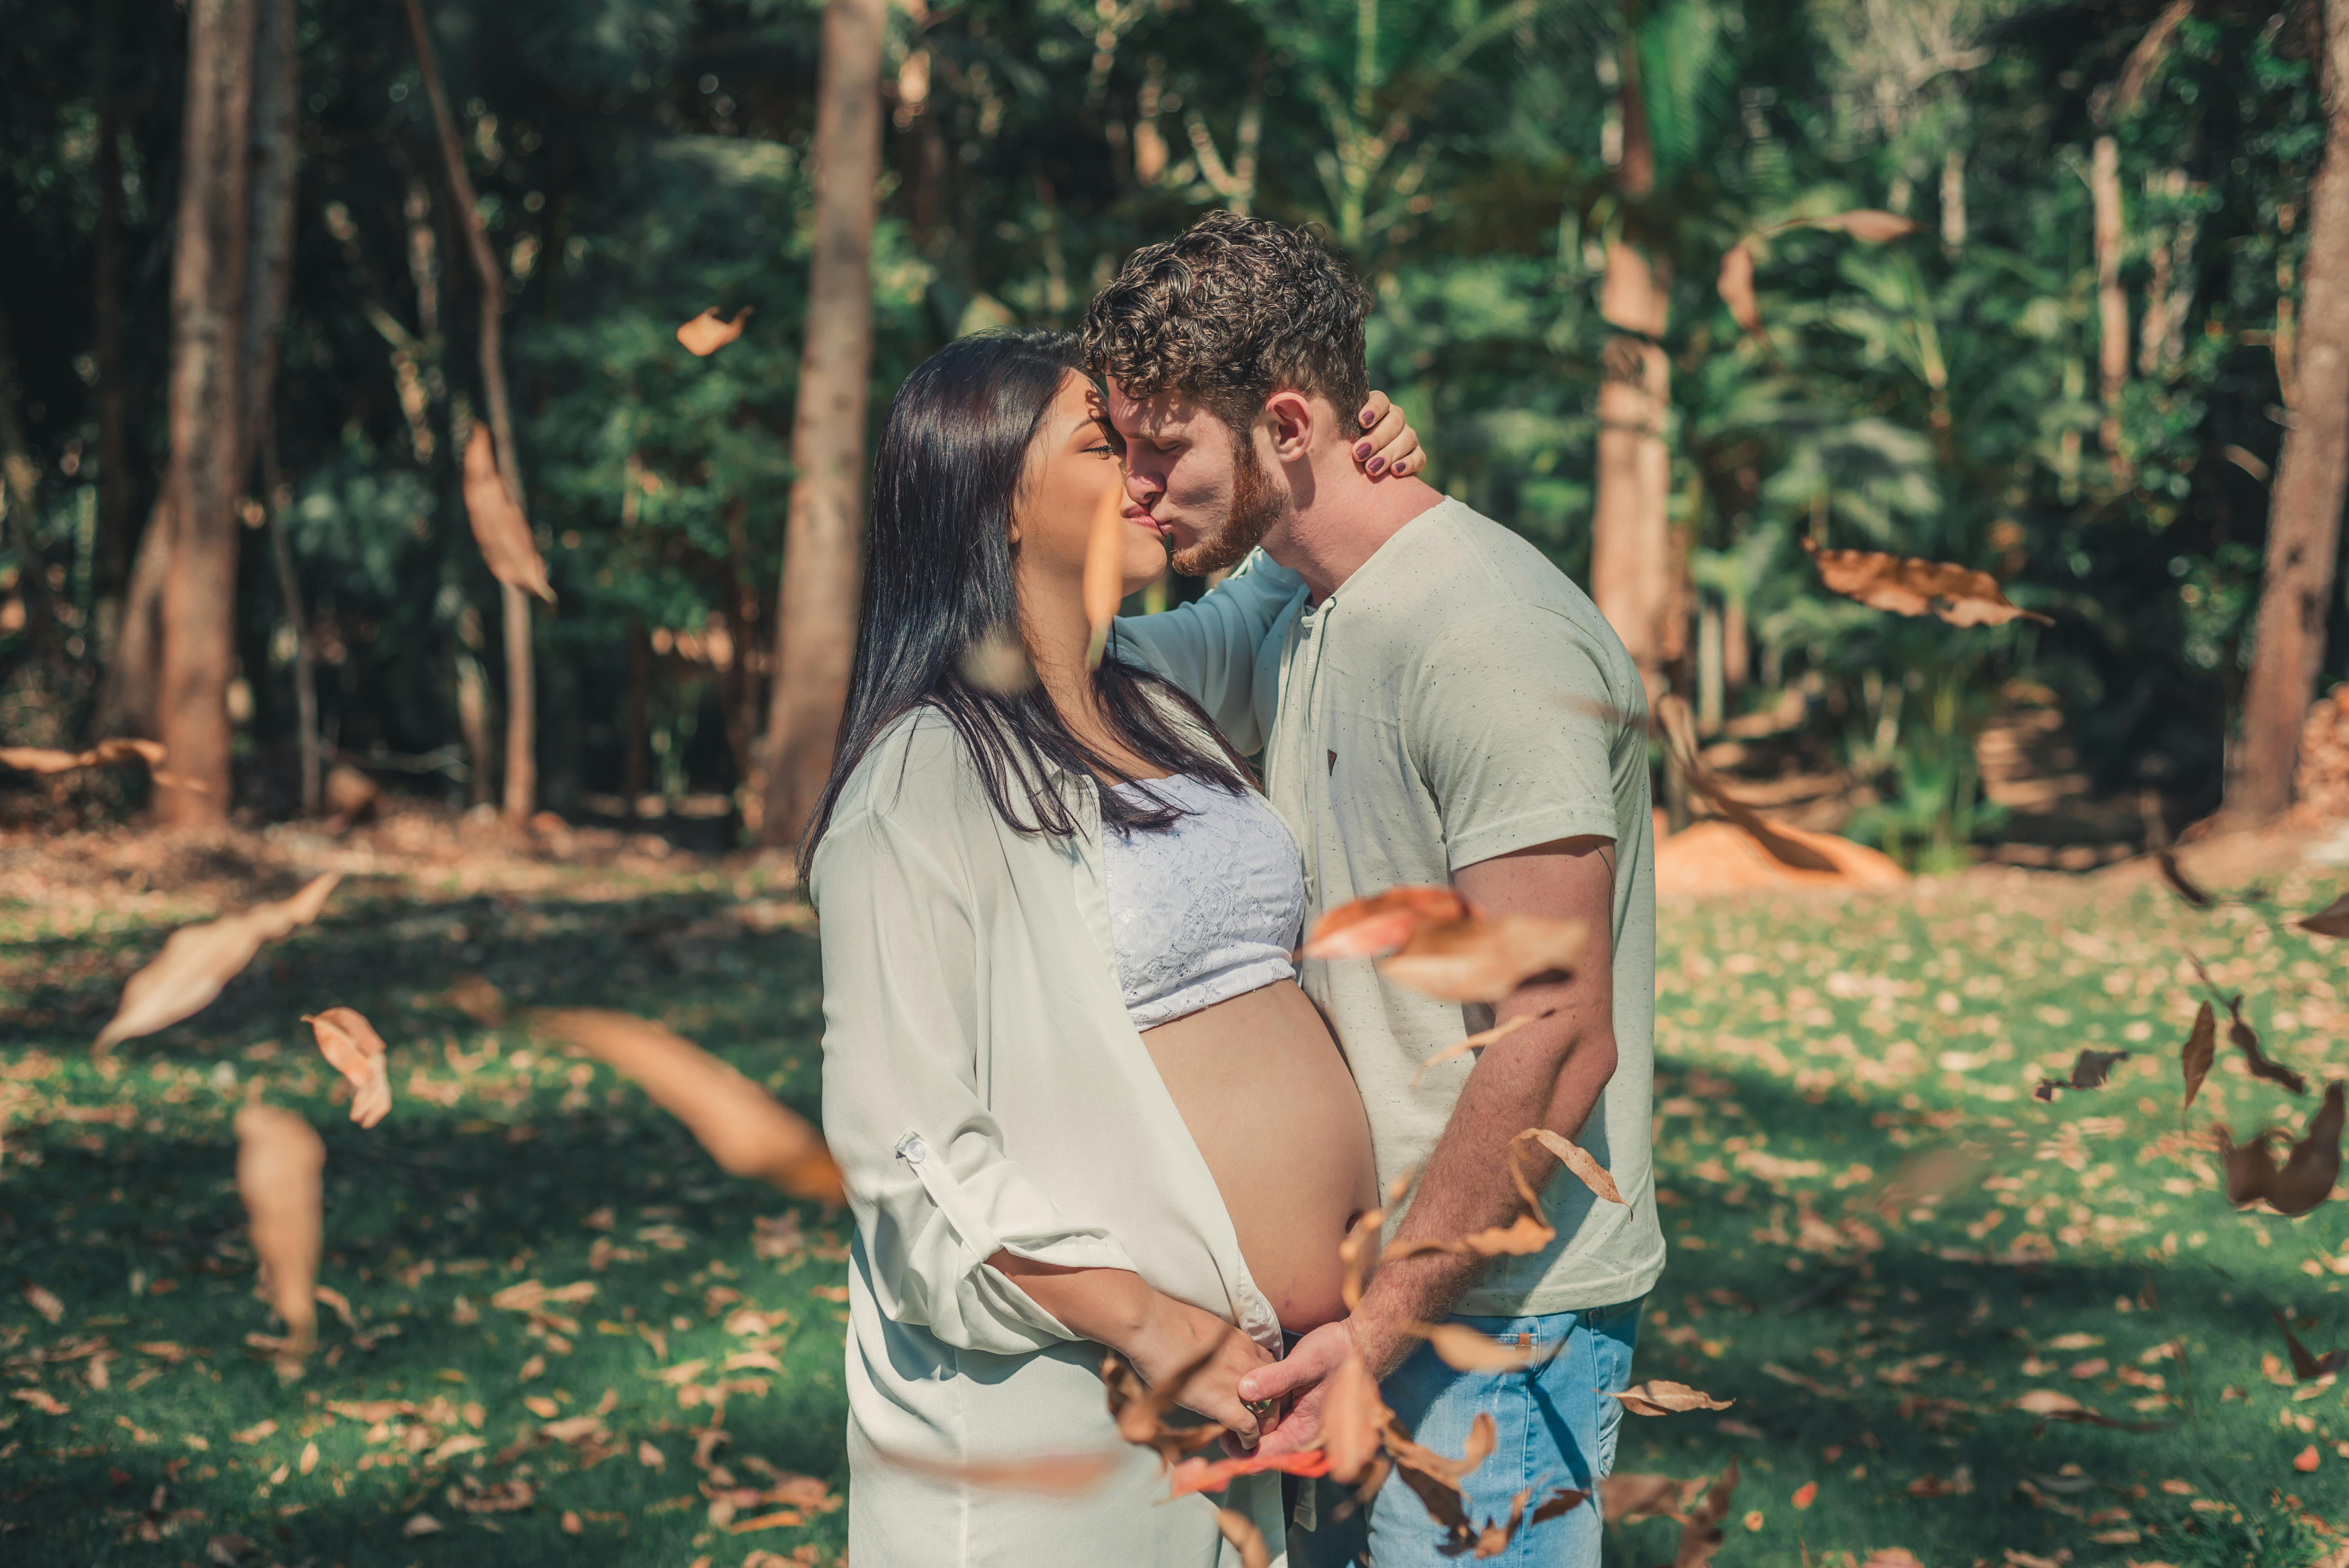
<point x="1361" y="449"/>
<point x="1377" y="465"/>
<point x="1367" y="420"/>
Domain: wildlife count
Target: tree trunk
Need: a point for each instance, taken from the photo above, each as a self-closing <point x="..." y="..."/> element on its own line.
<point x="112" y="566"/>
<point x="823" y="539"/>
<point x="1953" y="200"/>
<point x="125" y="702"/>
<point x="1630" y="535"/>
<point x="207" y="400"/>
<point x="2312" y="474"/>
<point x="2112" y="304"/>
<point x="521" y="743"/>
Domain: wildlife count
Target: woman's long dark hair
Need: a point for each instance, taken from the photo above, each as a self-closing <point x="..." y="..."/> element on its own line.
<point x="938" y="585"/>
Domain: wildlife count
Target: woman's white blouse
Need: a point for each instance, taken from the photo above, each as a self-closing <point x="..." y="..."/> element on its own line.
<point x="984" y="1090"/>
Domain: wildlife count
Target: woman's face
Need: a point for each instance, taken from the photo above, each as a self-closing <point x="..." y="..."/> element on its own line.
<point x="1071" y="464"/>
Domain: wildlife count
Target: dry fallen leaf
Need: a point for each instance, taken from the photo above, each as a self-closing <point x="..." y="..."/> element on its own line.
<point x="1805" y="1494"/>
<point x="350" y="796"/>
<point x="478" y="999"/>
<point x="1104" y="578"/>
<point x="2333" y="919"/>
<point x="1658" y="1397"/>
<point x="1375" y="926"/>
<point x="1046" y="1475"/>
<point x="1351" y="1419"/>
<point x="1140" y="1410"/>
<point x="2307" y="1367"/>
<point x="45" y="1302"/>
<point x="2201" y="1046"/>
<point x="1529" y="1232"/>
<point x="739" y="1122"/>
<point x="1577" y="1158"/>
<point x="198" y="960"/>
<point x="707" y="333"/>
<point x="1463" y="1349"/>
<point x="354" y="1049"/>
<point x="2310" y="1170"/>
<point x="279" y="1158"/>
<point x="2050" y="1404"/>
<point x="1701" y="1532"/>
<point x="1906" y="585"/>
<point x="998" y="662"/>
<point x="507" y="547"/>
<point x="1245" y="1537"/>
<point x="1677" y="727"/>
<point x="1436" y="1477"/>
<point x="2246" y="1039"/>
<point x="1480" y="1040"/>
<point x="2179" y="883"/>
<point x="1201" y="1475"/>
<point x="1626" y="1499"/>
<point x="2090" y="1069"/>
<point x="1483" y="958"/>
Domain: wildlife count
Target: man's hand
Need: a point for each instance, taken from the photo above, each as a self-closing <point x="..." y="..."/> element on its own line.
<point x="1303" y="1376"/>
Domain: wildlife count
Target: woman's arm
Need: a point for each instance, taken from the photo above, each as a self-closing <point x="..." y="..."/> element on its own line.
<point x="1158" y="1334"/>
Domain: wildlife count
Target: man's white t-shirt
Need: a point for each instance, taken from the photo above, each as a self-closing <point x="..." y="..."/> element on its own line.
<point x="1456" y="700"/>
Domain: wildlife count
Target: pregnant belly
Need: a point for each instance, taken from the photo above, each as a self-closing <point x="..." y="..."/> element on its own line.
<point x="1268" y="1100"/>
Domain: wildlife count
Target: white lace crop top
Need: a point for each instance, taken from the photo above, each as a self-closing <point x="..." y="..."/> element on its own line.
<point x="1205" y="910"/>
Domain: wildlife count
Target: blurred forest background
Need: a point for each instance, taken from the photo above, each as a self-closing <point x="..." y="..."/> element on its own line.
<point x="2078" y="373"/>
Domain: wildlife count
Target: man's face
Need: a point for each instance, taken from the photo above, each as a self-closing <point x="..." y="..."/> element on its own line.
<point x="1202" y="484"/>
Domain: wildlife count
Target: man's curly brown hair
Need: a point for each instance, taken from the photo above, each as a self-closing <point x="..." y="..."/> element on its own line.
<point x="1228" y="312"/>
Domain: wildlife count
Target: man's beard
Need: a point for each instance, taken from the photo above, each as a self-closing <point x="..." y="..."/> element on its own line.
<point x="1257" y="505"/>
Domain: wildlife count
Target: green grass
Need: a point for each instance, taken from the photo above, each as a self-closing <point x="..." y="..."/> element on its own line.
<point x="1809" y="1049"/>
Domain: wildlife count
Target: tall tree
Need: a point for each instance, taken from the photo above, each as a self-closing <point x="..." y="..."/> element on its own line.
<point x="823" y="539"/>
<point x="2312" y="474"/>
<point x="521" y="719"/>
<point x="1631" y="536"/>
<point x="209" y="298"/>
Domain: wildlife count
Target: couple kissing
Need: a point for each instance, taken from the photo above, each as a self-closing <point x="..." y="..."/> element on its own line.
<point x="1083" y="1092"/>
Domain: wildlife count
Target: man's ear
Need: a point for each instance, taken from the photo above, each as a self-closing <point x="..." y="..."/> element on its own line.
<point x="1291" y="419"/>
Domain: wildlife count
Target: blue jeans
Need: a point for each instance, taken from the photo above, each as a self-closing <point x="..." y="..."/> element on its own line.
<point x="1555" y="1426"/>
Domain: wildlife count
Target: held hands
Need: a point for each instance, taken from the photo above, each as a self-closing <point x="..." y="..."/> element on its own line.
<point x="1303" y="1376"/>
<point x="1174" y="1337"/>
<point x="1388" y="446"/>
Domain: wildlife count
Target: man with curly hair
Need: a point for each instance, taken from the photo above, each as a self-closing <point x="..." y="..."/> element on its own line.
<point x="1434" y="703"/>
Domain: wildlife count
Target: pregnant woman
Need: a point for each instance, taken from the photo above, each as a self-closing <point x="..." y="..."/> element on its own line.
<point x="1077" y="1093"/>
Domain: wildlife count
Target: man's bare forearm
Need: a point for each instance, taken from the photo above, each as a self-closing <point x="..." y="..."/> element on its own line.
<point x="1553" y="1083"/>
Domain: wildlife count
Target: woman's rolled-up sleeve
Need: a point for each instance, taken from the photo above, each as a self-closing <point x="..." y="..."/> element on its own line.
<point x="934" y="1191"/>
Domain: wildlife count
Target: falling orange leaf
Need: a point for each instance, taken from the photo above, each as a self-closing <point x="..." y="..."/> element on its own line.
<point x="1483" y="958"/>
<point x="736" y="1120"/>
<point x="1245" y="1537"/>
<point x="2246" y="1039"/>
<point x="1436" y="1477"/>
<point x="354" y="1049"/>
<point x="1658" y="1397"/>
<point x="1906" y="585"/>
<point x="1480" y="1040"/>
<point x="1375" y="926"/>
<point x="507" y="545"/>
<point x="2201" y="1046"/>
<point x="2307" y="1367"/>
<point x="1626" y="1498"/>
<point x="1351" y="1418"/>
<point x="279" y="1158"/>
<point x="1140" y="1410"/>
<point x="1701" y="1533"/>
<point x="707" y="333"/>
<point x="1200" y="1475"/>
<point x="198" y="960"/>
<point x="1104" y="579"/>
<point x="1463" y="1349"/>
<point x="1048" y="1475"/>
<point x="2310" y="1170"/>
<point x="2090" y="1069"/>
<point x="1577" y="1158"/>
<point x="2333" y="919"/>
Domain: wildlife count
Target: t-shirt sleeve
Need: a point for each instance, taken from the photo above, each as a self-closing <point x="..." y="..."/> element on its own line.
<point x="1513" y="727"/>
